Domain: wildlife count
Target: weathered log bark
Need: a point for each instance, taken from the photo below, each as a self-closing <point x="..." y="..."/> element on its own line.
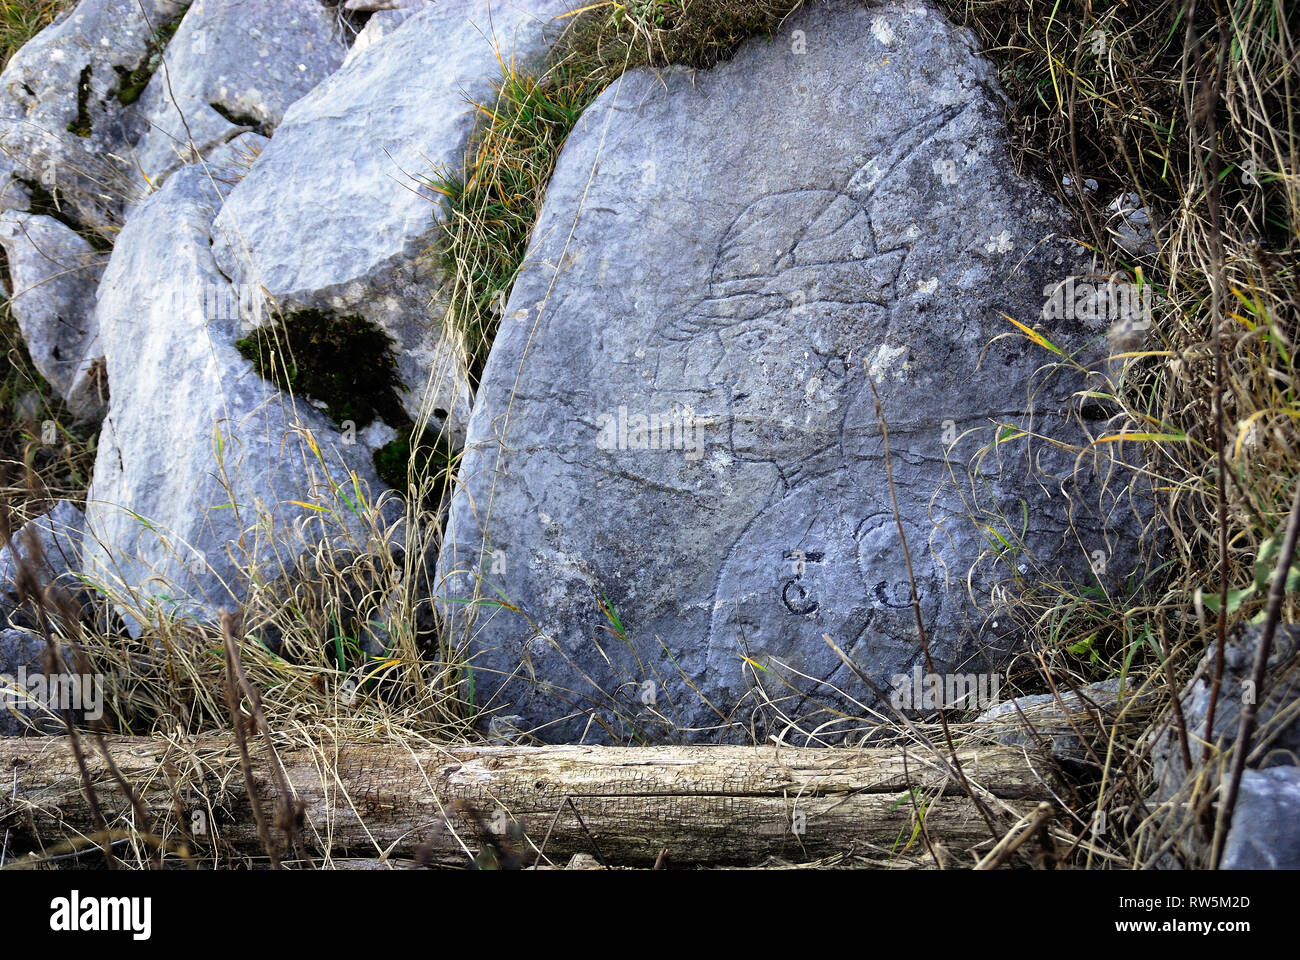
<point x="692" y="805"/>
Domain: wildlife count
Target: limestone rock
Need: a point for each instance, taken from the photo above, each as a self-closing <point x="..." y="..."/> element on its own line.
<point x="20" y="655"/>
<point x="1070" y="726"/>
<point x="54" y="272"/>
<point x="1264" y="834"/>
<point x="51" y="544"/>
<point x="13" y="195"/>
<point x="1263" y="823"/>
<point x="203" y="467"/>
<point x="229" y="163"/>
<point x="379" y="26"/>
<point x="233" y="65"/>
<point x="674" y="481"/>
<point x="1277" y="720"/>
<point x="333" y="216"/>
<point x="62" y="117"/>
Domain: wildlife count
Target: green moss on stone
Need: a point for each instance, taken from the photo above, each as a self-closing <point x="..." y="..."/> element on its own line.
<point x="346" y="363"/>
<point x="429" y="450"/>
<point x="81" y="126"/>
<point x="131" y="83"/>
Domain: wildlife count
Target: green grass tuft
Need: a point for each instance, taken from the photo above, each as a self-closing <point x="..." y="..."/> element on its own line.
<point x="20" y="20"/>
<point x="492" y="207"/>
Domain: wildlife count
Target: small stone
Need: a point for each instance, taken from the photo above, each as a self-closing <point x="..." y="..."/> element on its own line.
<point x="55" y="273"/>
<point x="1264" y="834"/>
<point x="1131" y="225"/>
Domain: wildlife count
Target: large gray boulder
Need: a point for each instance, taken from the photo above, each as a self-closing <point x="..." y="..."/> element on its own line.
<point x="1264" y="834"/>
<point x="334" y="217"/>
<point x="204" y="470"/>
<point x="63" y="121"/>
<point x="735" y="254"/>
<point x="234" y="65"/>
<point x="54" y="272"/>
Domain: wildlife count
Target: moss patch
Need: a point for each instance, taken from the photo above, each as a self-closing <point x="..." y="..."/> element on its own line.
<point x="131" y="83"/>
<point x="346" y="363"/>
<point x="428" y="451"/>
<point x="81" y="125"/>
<point x="350" y="365"/>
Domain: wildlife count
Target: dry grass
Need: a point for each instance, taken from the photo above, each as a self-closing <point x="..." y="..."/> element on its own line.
<point x="491" y="207"/>
<point x="608" y="39"/>
<point x="1198" y="118"/>
<point x="20" y="20"/>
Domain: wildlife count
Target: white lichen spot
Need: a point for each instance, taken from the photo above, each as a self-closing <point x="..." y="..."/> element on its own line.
<point x="913" y="232"/>
<point x="885" y="362"/>
<point x="927" y="287"/>
<point x="946" y="171"/>
<point x="882" y="31"/>
<point x="1001" y="243"/>
<point x="867" y="177"/>
<point x="544" y="517"/>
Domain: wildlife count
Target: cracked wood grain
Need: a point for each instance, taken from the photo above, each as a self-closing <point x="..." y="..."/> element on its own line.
<point x="704" y="805"/>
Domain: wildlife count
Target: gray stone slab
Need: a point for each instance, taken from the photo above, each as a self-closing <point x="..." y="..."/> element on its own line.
<point x="740" y="253"/>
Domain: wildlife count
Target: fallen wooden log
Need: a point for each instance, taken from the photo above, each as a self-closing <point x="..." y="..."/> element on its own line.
<point x="677" y="806"/>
